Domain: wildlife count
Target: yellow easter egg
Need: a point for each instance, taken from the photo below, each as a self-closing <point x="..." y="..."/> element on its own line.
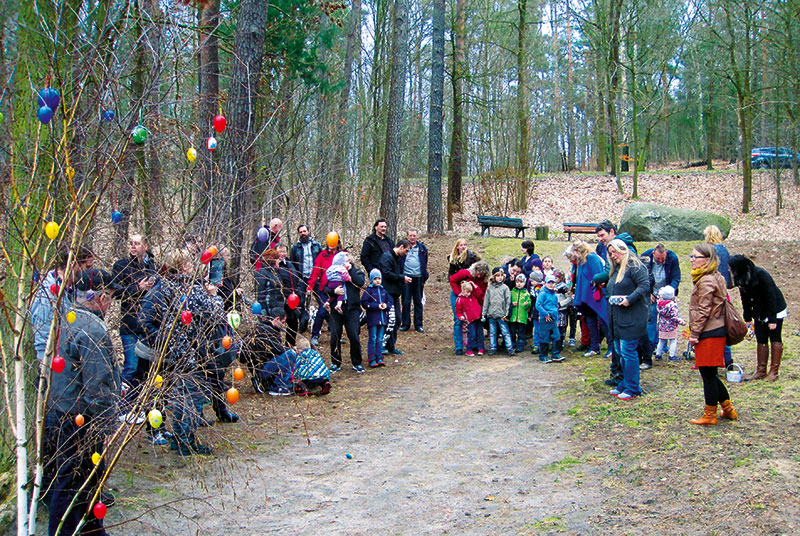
<point x="159" y="381"/>
<point x="95" y="458"/>
<point x="191" y="154"/>
<point x="51" y="230"/>
<point x="71" y="317"/>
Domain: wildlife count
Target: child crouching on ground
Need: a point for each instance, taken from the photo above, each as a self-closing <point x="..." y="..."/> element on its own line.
<point x="496" y="304"/>
<point x="338" y="274"/>
<point x="468" y="310"/>
<point x="668" y="319"/>
<point x="311" y="374"/>
<point x="547" y="306"/>
<point x="520" y="308"/>
<point x="377" y="303"/>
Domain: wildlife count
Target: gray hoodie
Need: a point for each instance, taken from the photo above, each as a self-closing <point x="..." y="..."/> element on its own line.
<point x="497" y="301"/>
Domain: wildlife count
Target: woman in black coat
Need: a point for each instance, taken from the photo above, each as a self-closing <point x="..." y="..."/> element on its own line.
<point x="763" y="303"/>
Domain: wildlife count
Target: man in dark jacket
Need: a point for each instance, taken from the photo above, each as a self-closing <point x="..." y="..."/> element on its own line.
<point x="135" y="275"/>
<point x="304" y="252"/>
<point x="350" y="320"/>
<point x="664" y="269"/>
<point x="375" y="245"/>
<point x="415" y="266"/>
<point x="88" y="386"/>
<point x="391" y="267"/>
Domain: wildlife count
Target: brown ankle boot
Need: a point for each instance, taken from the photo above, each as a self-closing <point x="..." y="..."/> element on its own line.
<point x="775" y="364"/>
<point x="727" y="410"/>
<point x="762" y="355"/>
<point x="709" y="416"/>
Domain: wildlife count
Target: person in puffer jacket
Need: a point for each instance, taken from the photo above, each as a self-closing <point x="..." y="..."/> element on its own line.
<point x="547" y="307"/>
<point x="468" y="311"/>
<point x="520" y="308"/>
<point x="496" y="304"/>
<point x="376" y="302"/>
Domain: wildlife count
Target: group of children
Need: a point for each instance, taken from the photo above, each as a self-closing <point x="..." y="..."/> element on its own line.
<point x="518" y="307"/>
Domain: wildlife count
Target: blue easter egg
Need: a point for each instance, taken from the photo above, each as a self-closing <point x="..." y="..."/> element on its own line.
<point x="48" y="97"/>
<point x="116" y="217"/>
<point x="256" y="308"/>
<point x="45" y="114"/>
<point x="89" y="295"/>
<point x="348" y="456"/>
<point x="108" y="115"/>
<point x="263" y="234"/>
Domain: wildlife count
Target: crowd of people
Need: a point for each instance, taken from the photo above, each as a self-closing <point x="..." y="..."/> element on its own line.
<point x="180" y="315"/>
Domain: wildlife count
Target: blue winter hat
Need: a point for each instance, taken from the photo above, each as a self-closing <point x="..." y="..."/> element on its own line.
<point x="373" y="274"/>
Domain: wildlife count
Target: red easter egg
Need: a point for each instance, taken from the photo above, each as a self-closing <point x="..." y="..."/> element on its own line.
<point x="293" y="300"/>
<point x="220" y="123"/>
<point x="205" y="258"/>
<point x="58" y="364"/>
<point x="186" y="318"/>
<point x="99" y="510"/>
<point x="54" y="289"/>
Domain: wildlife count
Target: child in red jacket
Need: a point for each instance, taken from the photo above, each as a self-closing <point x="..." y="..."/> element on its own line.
<point x="468" y="310"/>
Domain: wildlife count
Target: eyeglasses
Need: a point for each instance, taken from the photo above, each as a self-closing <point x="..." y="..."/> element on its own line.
<point x="693" y="257"/>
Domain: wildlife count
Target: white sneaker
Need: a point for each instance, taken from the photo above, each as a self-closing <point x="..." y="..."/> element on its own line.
<point x="572" y="342"/>
<point x="591" y="353"/>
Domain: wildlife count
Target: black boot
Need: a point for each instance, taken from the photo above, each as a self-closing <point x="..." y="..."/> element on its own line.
<point x="223" y="415"/>
<point x="189" y="447"/>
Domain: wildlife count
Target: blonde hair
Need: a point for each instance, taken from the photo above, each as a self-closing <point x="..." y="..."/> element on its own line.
<point x="455" y="256"/>
<point x="175" y="260"/>
<point x="302" y="343"/>
<point x="627" y="259"/>
<point x="713" y="234"/>
<point x="580" y="250"/>
<point x="466" y="286"/>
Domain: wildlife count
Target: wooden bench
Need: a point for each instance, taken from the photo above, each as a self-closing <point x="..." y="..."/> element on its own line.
<point x="487" y="222"/>
<point x="579" y="228"/>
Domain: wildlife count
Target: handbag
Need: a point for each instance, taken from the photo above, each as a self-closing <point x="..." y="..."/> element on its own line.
<point x="735" y="325"/>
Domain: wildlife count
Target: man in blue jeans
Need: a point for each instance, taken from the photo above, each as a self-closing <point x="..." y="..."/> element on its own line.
<point x="664" y="269"/>
<point x="134" y="276"/>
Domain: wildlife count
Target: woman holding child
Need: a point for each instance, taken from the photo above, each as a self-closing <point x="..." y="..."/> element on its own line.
<point x="629" y="300"/>
<point x="478" y="274"/>
<point x="707" y="330"/>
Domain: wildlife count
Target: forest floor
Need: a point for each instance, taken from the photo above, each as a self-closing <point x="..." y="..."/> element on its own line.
<point x="441" y="444"/>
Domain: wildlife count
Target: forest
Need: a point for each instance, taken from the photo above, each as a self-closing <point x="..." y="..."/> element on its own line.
<point x="211" y="117"/>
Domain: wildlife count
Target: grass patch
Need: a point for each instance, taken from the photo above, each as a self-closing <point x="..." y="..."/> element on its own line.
<point x="564" y="464"/>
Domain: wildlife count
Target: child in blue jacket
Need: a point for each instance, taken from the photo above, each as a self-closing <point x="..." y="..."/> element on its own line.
<point x="547" y="307"/>
<point x="377" y="303"/>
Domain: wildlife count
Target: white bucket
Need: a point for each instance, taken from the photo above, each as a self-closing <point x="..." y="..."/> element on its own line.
<point x="733" y="375"/>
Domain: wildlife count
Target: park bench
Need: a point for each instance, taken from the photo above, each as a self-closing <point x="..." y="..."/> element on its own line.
<point x="579" y="228"/>
<point x="487" y="222"/>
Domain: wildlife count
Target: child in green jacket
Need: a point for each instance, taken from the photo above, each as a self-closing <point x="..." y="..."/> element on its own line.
<point x="520" y="306"/>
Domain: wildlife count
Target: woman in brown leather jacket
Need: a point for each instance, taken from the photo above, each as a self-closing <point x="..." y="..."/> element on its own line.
<point x="707" y="330"/>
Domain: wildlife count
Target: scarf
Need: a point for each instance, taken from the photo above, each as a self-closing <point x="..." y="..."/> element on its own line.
<point x="697" y="273"/>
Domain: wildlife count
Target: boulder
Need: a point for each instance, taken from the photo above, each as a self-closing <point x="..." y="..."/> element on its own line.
<point x="650" y="222"/>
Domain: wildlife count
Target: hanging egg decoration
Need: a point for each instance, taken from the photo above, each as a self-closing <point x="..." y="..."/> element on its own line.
<point x="232" y="395"/>
<point x="58" y="364"/>
<point x="158" y="381"/>
<point x="96" y="458"/>
<point x="51" y="230"/>
<point x="49" y="97"/>
<point x="44" y="114"/>
<point x="256" y="308"/>
<point x="213" y="250"/>
<point x="211" y="143"/>
<point x="99" y="510"/>
<point x="116" y="217"/>
<point x="332" y="239"/>
<point x="238" y="374"/>
<point x="227" y="341"/>
<point x="89" y="295"/>
<point x="70" y="172"/>
<point x="71" y="316"/>
<point x="191" y="154"/>
<point x="206" y="256"/>
<point x="79" y="420"/>
<point x="234" y="319"/>
<point x="108" y="115"/>
<point x="293" y="300"/>
<point x="263" y="234"/>
<point x="54" y="288"/>
<point x="186" y="318"/>
<point x="155" y="418"/>
<point x="139" y="134"/>
<point x="220" y="123"/>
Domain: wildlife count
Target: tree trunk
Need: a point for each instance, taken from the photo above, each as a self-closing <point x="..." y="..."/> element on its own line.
<point x="571" y="137"/>
<point x="435" y="223"/>
<point x="393" y="151"/>
<point x="613" y="87"/>
<point x="455" y="167"/>
<point x="208" y="98"/>
<point x="523" y="112"/>
<point x="244" y="123"/>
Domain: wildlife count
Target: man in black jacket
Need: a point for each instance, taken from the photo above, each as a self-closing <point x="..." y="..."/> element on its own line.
<point x="304" y="252"/>
<point x="375" y="245"/>
<point x="391" y="267"/>
<point x="135" y="275"/>
<point x="350" y="320"/>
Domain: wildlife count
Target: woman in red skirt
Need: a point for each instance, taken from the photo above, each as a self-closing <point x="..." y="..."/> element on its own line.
<point x="707" y="330"/>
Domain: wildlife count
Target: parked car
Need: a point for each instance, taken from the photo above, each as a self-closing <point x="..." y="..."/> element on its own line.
<point x="765" y="157"/>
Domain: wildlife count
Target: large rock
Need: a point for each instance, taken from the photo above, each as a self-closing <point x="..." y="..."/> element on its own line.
<point x="649" y="222"/>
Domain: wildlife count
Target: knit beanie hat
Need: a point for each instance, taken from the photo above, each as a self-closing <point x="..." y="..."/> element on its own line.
<point x="339" y="259"/>
<point x="373" y="274"/>
<point x="521" y="277"/>
<point x="537" y="276"/>
<point x="666" y="293"/>
<point x="537" y="263"/>
<point x="550" y="279"/>
<point x="496" y="269"/>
